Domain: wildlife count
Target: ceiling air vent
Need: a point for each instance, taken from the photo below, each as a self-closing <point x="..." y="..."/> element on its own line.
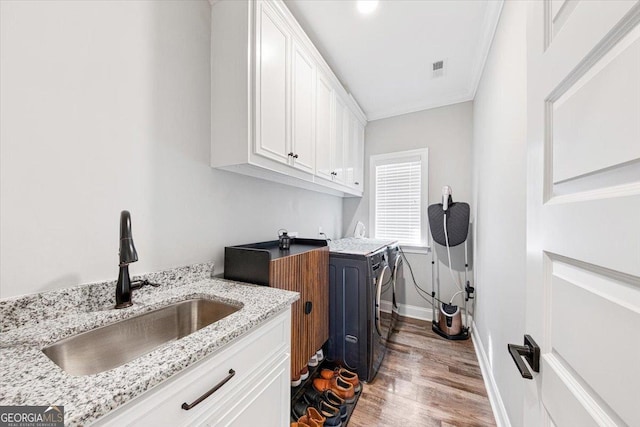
<point x="438" y="68"/>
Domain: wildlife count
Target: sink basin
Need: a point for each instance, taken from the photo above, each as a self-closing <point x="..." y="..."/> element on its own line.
<point x="114" y="345"/>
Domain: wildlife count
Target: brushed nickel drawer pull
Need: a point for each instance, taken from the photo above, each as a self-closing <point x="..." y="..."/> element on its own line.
<point x="187" y="406"/>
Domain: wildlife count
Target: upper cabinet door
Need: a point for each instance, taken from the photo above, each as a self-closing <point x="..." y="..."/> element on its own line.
<point x="354" y="152"/>
<point x="303" y="132"/>
<point x="272" y="101"/>
<point x="337" y="152"/>
<point x="324" y="132"/>
<point x="350" y="148"/>
<point x="358" y="178"/>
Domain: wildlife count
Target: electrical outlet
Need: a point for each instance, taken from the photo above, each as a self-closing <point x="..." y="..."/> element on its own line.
<point x="320" y="230"/>
<point x="293" y="234"/>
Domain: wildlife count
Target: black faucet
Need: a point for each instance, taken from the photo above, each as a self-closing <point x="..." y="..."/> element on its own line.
<point x="128" y="255"/>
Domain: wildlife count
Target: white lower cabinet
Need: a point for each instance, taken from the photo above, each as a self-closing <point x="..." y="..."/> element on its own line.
<point x="256" y="403"/>
<point x="257" y="393"/>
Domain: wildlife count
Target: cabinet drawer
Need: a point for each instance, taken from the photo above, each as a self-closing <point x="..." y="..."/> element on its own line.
<point x="162" y="405"/>
<point x="257" y="402"/>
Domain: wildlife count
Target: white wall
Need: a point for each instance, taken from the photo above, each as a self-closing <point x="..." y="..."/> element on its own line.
<point x="105" y="106"/>
<point x="447" y="133"/>
<point x="499" y="187"/>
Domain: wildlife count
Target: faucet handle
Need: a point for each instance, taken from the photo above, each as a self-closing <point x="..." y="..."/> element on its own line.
<point x="137" y="284"/>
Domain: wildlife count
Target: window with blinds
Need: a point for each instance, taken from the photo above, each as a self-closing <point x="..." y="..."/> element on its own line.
<point x="399" y="197"/>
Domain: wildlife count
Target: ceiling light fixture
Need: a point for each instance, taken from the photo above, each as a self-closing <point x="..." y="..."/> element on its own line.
<point x="367" y="6"/>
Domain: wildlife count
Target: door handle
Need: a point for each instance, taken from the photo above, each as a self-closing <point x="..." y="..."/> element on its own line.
<point x="530" y="351"/>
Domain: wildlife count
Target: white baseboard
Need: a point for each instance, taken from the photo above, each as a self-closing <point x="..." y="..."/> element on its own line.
<point x="413" y="311"/>
<point x="497" y="405"/>
<point x="406" y="310"/>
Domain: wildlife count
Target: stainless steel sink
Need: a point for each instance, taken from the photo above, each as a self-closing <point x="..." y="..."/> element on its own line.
<point x="114" y="345"/>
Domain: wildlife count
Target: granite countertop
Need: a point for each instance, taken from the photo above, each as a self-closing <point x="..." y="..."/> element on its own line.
<point x="358" y="246"/>
<point x="29" y="323"/>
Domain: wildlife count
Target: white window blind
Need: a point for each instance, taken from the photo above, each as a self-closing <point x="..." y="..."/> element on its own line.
<point x="398" y="201"/>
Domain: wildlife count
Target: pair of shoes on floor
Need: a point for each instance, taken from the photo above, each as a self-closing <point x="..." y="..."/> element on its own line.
<point x="316" y="358"/>
<point x="323" y="415"/>
<point x="345" y="374"/>
<point x="337" y="385"/>
<point x="315" y="398"/>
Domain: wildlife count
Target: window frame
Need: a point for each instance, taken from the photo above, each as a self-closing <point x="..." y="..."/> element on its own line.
<point x="399" y="157"/>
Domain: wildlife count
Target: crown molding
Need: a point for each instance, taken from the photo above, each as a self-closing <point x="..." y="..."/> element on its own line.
<point x="442" y="102"/>
<point x="489" y="26"/>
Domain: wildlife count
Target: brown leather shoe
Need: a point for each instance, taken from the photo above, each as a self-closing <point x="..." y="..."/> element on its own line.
<point x="308" y="422"/>
<point x="345" y="374"/>
<point x="350" y="377"/>
<point x="316" y="416"/>
<point x="343" y="389"/>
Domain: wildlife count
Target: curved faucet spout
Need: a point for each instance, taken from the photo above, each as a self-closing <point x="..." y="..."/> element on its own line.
<point x="128" y="254"/>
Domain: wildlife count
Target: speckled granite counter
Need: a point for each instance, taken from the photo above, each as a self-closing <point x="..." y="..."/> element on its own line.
<point x="358" y="246"/>
<point x="29" y="323"/>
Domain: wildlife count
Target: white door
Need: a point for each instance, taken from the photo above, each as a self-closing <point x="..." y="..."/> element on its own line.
<point x="324" y="132"/>
<point x="583" y="212"/>
<point x="272" y="47"/>
<point x="358" y="175"/>
<point x="349" y="147"/>
<point x="303" y="133"/>
<point x="337" y="151"/>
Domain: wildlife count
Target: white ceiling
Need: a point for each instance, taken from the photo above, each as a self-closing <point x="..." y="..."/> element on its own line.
<point x="385" y="58"/>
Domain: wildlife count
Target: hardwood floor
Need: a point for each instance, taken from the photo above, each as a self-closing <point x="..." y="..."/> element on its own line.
<point x="425" y="380"/>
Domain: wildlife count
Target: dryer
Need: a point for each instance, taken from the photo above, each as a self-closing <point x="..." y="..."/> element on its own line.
<point x="357" y="330"/>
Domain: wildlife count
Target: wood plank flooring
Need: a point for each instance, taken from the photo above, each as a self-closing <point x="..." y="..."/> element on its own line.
<point x="425" y="380"/>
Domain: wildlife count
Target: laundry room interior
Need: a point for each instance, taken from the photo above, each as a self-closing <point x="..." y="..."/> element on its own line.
<point x="308" y="213"/>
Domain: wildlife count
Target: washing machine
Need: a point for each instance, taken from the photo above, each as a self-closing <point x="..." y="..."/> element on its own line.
<point x="357" y="332"/>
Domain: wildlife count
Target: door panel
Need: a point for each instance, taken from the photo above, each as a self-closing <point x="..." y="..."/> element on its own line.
<point x="316" y="280"/>
<point x="583" y="235"/>
<point x="303" y="138"/>
<point x="595" y="123"/>
<point x="272" y="46"/>
<point x="337" y="153"/>
<point x="577" y="292"/>
<point x="324" y="130"/>
<point x="286" y="273"/>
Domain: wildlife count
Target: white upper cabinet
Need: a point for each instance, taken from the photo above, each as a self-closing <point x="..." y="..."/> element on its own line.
<point x="324" y="130"/>
<point x="272" y="48"/>
<point x="303" y="112"/>
<point x="358" y="175"/>
<point x="352" y="153"/>
<point x="277" y="110"/>
<point x="337" y="149"/>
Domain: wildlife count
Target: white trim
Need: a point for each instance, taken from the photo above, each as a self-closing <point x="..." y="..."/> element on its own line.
<point x="497" y="404"/>
<point x="455" y="99"/>
<point x="489" y="27"/>
<point x="422" y="250"/>
<point x="412" y="311"/>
